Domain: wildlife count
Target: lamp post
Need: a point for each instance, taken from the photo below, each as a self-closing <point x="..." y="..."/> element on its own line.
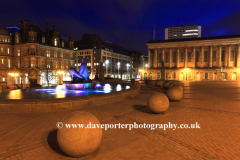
<point x="118" y="68"/>
<point x="186" y="69"/>
<point x="146" y="65"/>
<point x="106" y="62"/>
<point x="127" y="67"/>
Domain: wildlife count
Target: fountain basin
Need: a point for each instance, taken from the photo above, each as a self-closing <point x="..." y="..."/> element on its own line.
<point x="79" y="86"/>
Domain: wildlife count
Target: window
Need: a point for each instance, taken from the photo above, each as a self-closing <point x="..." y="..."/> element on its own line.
<point x="18" y="63"/>
<point x="3" y="79"/>
<point x="2" y="62"/>
<point x="0" y="39"/>
<point x="232" y="55"/>
<point x="158" y="75"/>
<point x="43" y="39"/>
<point x="189" y="56"/>
<point x="5" y="39"/>
<point x="9" y="65"/>
<point x="62" y="44"/>
<point x="173" y="75"/>
<point x="214" y="56"/>
<point x="8" y="40"/>
<point x="18" y="53"/>
<point x="1" y="50"/>
<point x="205" y="56"/>
<point x="17" y="39"/>
<point x="61" y="54"/>
<point x="48" y="53"/>
<point x="160" y="57"/>
<point x="55" y="54"/>
<point x="167" y="57"/>
<point x="56" y="66"/>
<point x="223" y="55"/>
<point x="197" y="56"/>
<point x="8" y="51"/>
<point x="174" y="56"/>
<point x="55" y="42"/>
<point x="181" y="57"/>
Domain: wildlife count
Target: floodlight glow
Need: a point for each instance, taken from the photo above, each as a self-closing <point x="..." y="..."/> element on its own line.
<point x="107" y="61"/>
<point x="189" y="34"/>
<point x="193" y="30"/>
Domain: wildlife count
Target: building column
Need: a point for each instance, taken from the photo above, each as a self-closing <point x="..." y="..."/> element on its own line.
<point x="202" y="55"/>
<point x="155" y="58"/>
<point x="149" y="58"/>
<point x="238" y="55"/>
<point x="177" y="58"/>
<point x="170" y="57"/>
<point x="220" y="55"/>
<point x="163" y="58"/>
<point x="194" y="57"/>
<point x="185" y="58"/>
<point x="210" y="57"/>
<point x="229" y="54"/>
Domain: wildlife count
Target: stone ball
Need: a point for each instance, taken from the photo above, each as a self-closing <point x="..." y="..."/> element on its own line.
<point x="79" y="142"/>
<point x="171" y="85"/>
<point x="158" y="102"/>
<point x="159" y="83"/>
<point x="166" y="84"/>
<point x="147" y="82"/>
<point x="174" y="94"/>
<point x="178" y="86"/>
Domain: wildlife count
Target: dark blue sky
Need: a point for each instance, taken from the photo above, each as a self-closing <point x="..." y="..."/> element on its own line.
<point x="128" y="23"/>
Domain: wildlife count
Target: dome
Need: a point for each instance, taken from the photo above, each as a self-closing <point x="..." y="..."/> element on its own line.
<point x="4" y="31"/>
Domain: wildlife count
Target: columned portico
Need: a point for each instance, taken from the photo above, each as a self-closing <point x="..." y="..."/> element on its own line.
<point x="202" y="55"/>
<point x="155" y="59"/>
<point x="238" y="55"/>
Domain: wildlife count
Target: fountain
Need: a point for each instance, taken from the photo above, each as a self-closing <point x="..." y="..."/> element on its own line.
<point x="80" y="80"/>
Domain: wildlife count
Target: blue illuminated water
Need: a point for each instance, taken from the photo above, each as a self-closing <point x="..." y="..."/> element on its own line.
<point x="60" y="93"/>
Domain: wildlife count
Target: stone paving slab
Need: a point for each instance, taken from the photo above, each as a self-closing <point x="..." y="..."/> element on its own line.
<point x="212" y="105"/>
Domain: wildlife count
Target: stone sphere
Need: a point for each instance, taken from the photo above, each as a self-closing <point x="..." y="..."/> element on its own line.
<point x="159" y="83"/>
<point x="166" y="84"/>
<point x="158" y="102"/>
<point x="178" y="86"/>
<point x="171" y="85"/>
<point x="174" y="94"/>
<point x="79" y="142"/>
<point x="147" y="82"/>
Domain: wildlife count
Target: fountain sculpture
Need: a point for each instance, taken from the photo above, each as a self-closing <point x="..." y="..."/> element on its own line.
<point x="80" y="80"/>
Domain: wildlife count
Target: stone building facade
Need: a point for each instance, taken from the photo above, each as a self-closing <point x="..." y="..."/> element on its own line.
<point x="29" y="55"/>
<point x="196" y="59"/>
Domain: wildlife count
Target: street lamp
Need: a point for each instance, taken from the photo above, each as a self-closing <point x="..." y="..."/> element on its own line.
<point x="106" y="62"/>
<point x="118" y="68"/>
<point x="127" y="67"/>
<point x="186" y="69"/>
<point x="146" y="65"/>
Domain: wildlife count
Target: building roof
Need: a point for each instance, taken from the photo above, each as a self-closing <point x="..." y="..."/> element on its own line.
<point x="194" y="39"/>
<point x="4" y="31"/>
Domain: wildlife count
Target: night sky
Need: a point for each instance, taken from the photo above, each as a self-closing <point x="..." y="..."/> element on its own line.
<point x="128" y="23"/>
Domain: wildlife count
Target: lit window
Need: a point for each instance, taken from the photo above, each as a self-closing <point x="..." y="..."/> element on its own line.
<point x="62" y="44"/>
<point x="94" y="64"/>
<point x="18" y="52"/>
<point x="9" y="63"/>
<point x="48" y="53"/>
<point x="61" y="55"/>
<point x="5" y="39"/>
<point x="17" y="39"/>
<point x="43" y="39"/>
<point x="2" y="50"/>
<point x="55" y="42"/>
<point x="3" y="79"/>
<point x="18" y="64"/>
<point x="55" y="54"/>
<point x="8" y="51"/>
<point x="8" y="40"/>
<point x="2" y="62"/>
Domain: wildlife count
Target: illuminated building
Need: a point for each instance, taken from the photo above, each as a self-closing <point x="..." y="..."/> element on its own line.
<point x="34" y="56"/>
<point x="116" y="60"/>
<point x="194" y="59"/>
<point x="183" y="31"/>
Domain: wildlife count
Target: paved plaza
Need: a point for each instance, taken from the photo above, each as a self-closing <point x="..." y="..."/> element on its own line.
<point x="213" y="105"/>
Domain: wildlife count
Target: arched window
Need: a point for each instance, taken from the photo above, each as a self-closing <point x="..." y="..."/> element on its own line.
<point x="206" y="76"/>
<point x="145" y="75"/>
<point x="150" y="76"/>
<point x="173" y="75"/>
<point x="158" y="75"/>
<point x="55" y="42"/>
